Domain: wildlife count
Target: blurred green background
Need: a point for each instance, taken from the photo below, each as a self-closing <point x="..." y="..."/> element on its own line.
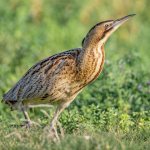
<point x="31" y="30"/>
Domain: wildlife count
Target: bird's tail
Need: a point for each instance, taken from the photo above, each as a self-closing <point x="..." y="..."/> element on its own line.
<point x="7" y="101"/>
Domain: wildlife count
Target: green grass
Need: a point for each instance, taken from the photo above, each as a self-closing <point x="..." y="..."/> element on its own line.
<point x="35" y="139"/>
<point x="114" y="111"/>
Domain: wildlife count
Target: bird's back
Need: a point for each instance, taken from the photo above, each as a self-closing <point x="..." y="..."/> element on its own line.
<point x="47" y="81"/>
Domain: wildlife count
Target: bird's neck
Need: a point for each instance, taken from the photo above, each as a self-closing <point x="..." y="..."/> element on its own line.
<point x="91" y="61"/>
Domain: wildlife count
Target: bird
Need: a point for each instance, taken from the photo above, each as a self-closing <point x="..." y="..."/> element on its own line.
<point x="58" y="79"/>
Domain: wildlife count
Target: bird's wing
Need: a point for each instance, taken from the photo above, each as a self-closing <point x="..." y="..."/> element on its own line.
<point x="35" y="82"/>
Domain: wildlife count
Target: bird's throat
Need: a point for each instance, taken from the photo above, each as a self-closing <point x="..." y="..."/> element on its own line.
<point x="92" y="62"/>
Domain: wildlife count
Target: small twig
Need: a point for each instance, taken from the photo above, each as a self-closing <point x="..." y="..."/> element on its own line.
<point x="14" y="134"/>
<point x="40" y="105"/>
<point x="45" y="113"/>
<point x="61" y="129"/>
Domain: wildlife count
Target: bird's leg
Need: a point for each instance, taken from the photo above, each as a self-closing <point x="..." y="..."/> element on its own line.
<point x="27" y="118"/>
<point x="28" y="122"/>
<point x="53" y="128"/>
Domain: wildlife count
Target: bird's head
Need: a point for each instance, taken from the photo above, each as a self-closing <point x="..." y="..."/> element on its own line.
<point x="102" y="31"/>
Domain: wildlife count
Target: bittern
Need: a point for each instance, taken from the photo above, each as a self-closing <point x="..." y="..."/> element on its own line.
<point x="58" y="79"/>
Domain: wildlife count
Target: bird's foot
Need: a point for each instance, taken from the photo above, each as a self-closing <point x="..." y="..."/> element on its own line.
<point x="52" y="133"/>
<point x="29" y="124"/>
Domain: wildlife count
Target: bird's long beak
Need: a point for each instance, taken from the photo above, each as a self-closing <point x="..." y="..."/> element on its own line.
<point x="117" y="23"/>
<point x="114" y="25"/>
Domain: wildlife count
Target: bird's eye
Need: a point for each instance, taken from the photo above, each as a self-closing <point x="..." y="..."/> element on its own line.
<point x="106" y="25"/>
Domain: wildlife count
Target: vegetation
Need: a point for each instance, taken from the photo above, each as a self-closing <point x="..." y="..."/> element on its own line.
<point x="111" y="113"/>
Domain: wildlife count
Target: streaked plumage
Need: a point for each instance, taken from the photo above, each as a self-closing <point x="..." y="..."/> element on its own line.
<point x="56" y="78"/>
<point x="61" y="77"/>
<point x="53" y="73"/>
